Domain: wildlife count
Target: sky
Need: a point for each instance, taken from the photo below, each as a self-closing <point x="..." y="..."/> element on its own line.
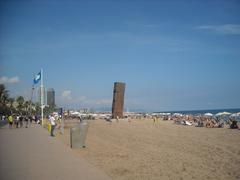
<point x="172" y="55"/>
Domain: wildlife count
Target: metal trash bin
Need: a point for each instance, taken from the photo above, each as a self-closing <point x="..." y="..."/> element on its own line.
<point x="78" y="135"/>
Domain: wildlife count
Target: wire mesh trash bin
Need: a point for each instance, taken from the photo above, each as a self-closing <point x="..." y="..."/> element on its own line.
<point x="78" y="135"/>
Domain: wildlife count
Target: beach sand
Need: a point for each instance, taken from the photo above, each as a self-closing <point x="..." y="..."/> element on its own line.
<point x="143" y="150"/>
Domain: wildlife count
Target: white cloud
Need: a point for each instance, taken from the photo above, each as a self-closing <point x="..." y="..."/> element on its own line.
<point x="82" y="98"/>
<point x="222" y="29"/>
<point x="68" y="99"/>
<point x="104" y="102"/>
<point x="8" y="80"/>
<point x="67" y="95"/>
<point x="92" y="102"/>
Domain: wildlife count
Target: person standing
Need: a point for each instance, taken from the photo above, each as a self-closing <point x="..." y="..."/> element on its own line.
<point x="17" y="121"/>
<point x="80" y="118"/>
<point x="21" y="121"/>
<point x="30" y="119"/>
<point x="53" y="124"/>
<point x="35" y="118"/>
<point x="10" y="121"/>
<point x="26" y="121"/>
<point x="154" y="119"/>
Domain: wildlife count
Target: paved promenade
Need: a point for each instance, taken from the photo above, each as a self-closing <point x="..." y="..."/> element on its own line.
<point x="30" y="153"/>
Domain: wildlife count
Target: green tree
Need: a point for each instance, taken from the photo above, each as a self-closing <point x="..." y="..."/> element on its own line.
<point x="11" y="101"/>
<point x="20" y="101"/>
<point x="48" y="110"/>
<point x="38" y="108"/>
<point x="3" y="95"/>
<point x="3" y="100"/>
<point x="26" y="107"/>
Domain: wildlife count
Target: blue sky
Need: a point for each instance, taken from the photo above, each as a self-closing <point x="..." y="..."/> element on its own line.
<point x="172" y="55"/>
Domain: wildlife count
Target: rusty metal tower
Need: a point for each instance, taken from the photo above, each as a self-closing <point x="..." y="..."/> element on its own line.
<point x="118" y="100"/>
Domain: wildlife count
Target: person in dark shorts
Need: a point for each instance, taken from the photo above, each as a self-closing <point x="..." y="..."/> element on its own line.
<point x="26" y="121"/>
<point x="10" y="121"/>
<point x="16" y="121"/>
<point x="21" y="121"/>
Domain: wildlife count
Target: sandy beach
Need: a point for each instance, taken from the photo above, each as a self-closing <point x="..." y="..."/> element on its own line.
<point x="141" y="149"/>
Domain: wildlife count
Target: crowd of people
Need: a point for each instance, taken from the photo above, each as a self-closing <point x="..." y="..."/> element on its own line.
<point x="19" y="121"/>
<point x="204" y="121"/>
<point x="15" y="121"/>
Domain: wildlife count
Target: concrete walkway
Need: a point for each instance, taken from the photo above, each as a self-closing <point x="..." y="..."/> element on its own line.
<point x="30" y="153"/>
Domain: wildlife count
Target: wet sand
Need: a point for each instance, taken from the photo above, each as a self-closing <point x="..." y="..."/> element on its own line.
<point x="143" y="150"/>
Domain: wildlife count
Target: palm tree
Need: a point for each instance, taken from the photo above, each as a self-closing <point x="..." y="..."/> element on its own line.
<point x="2" y="90"/>
<point x="38" y="108"/>
<point x="26" y="106"/>
<point x="20" y="101"/>
<point x="3" y="95"/>
<point x="11" y="101"/>
<point x="3" y="100"/>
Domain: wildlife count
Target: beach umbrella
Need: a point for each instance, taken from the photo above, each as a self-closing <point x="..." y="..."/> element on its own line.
<point x="235" y="114"/>
<point x="208" y="114"/>
<point x="177" y="114"/>
<point x="223" y="113"/>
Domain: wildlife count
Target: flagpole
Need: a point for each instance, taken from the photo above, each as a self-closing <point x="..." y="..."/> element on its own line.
<point x="42" y="98"/>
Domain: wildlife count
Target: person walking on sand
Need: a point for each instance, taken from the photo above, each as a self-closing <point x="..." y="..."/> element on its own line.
<point x="53" y="124"/>
<point x="157" y="119"/>
<point x="154" y="119"/>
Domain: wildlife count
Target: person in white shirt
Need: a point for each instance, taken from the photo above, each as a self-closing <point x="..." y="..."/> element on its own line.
<point x="53" y="124"/>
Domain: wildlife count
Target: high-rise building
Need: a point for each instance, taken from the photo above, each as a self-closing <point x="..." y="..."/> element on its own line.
<point x="118" y="100"/>
<point x="39" y="95"/>
<point x="51" y="97"/>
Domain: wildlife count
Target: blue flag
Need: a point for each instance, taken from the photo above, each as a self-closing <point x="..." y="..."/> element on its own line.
<point x="37" y="78"/>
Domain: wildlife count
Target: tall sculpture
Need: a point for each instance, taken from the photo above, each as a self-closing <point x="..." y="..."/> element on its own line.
<point x="118" y="100"/>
